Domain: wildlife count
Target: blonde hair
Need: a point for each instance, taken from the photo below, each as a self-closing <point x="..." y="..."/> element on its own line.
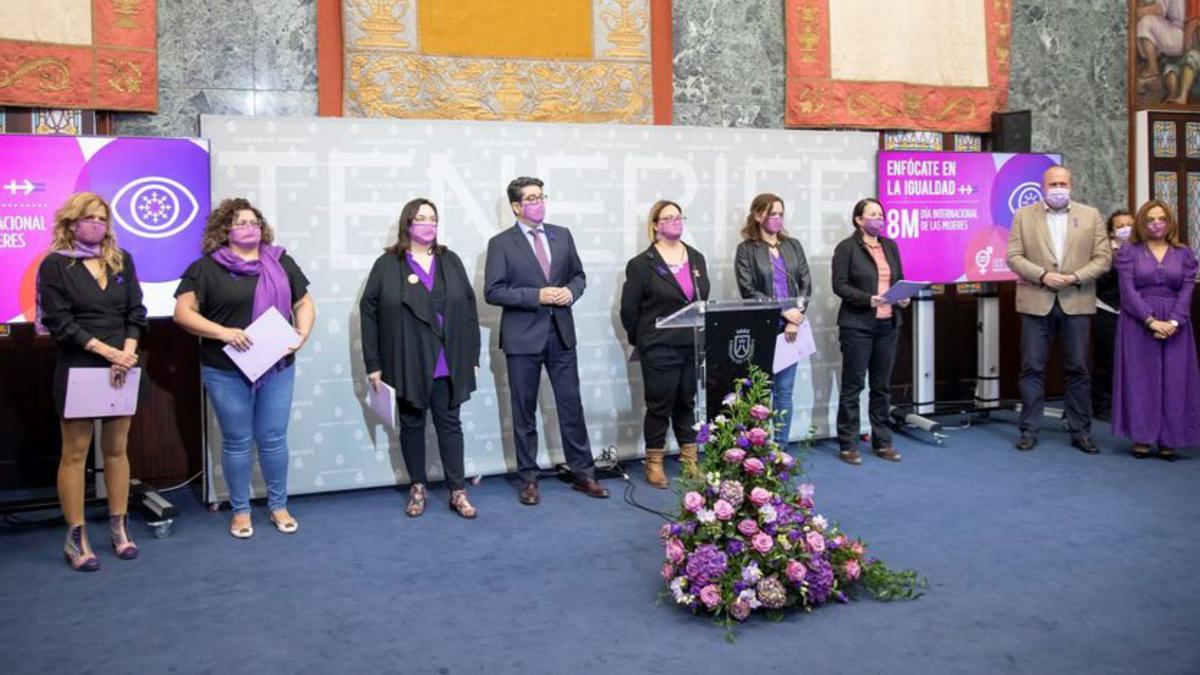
<point x="74" y="210"/>
<point x="1141" y="233"/>
<point x="652" y="219"/>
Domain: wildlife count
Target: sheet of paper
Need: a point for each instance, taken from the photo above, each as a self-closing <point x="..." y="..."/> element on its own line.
<point x="790" y="353"/>
<point x="383" y="402"/>
<point x="90" y="393"/>
<point x="903" y="290"/>
<point x="634" y="356"/>
<point x="272" y="338"/>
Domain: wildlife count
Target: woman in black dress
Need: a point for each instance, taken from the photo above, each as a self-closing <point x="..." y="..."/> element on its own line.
<point x="420" y="335"/>
<point x="658" y="281"/>
<point x="1104" y="324"/>
<point x="90" y="301"/>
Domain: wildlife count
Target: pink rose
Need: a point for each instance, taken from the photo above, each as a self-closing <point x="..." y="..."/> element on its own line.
<point x="816" y="542"/>
<point x="753" y="466"/>
<point x="668" y="571"/>
<point x="748" y="527"/>
<point x="664" y="531"/>
<point x="796" y="571"/>
<point x="723" y="509"/>
<point x="807" y="490"/>
<point x="675" y="551"/>
<point x="735" y="456"/>
<point x="760" y="412"/>
<point x="757" y="436"/>
<point x="785" y="459"/>
<point x="739" y="610"/>
<point x="693" y="501"/>
<point x="853" y="571"/>
<point x="840" y="540"/>
<point x="762" y="542"/>
<point x="760" y="496"/>
<point x="710" y="595"/>
<point x="858" y="548"/>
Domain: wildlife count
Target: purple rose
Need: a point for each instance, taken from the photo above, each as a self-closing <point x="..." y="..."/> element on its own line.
<point x="758" y="436"/>
<point x="739" y="610"/>
<point x="734" y="456"/>
<point x="675" y="551"/>
<point x="693" y="501"/>
<point x="796" y="571"/>
<point x="753" y="466"/>
<point x="762" y="542"/>
<point x="816" y="542"/>
<point x="723" y="509"/>
<point x="760" y="496"/>
<point x="710" y="595"/>
<point x="760" y="412"/>
<point x="742" y="441"/>
<point x="748" y="527"/>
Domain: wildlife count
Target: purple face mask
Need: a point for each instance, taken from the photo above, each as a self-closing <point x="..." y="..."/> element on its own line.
<point x="773" y="224"/>
<point x="1156" y="228"/>
<point x="90" y="231"/>
<point x="671" y="229"/>
<point x="1058" y="197"/>
<point x="423" y="233"/>
<point x="245" y="237"/>
<point x="873" y="226"/>
<point x="534" y="212"/>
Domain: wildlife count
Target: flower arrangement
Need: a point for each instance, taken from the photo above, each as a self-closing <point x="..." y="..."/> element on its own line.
<point x="749" y="538"/>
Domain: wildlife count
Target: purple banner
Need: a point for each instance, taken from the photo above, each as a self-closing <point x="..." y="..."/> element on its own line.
<point x="950" y="212"/>
<point x="158" y="190"/>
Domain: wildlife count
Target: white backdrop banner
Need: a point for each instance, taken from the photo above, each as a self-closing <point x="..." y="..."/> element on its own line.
<point x="333" y="189"/>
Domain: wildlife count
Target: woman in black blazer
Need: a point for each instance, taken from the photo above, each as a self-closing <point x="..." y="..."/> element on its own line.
<point x="420" y="334"/>
<point x="658" y="281"/>
<point x="90" y="301"/>
<point x="770" y="264"/>
<point x="865" y="265"/>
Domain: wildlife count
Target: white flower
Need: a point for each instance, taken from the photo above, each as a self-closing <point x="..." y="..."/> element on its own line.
<point x="767" y="512"/>
<point x="720" y="419"/>
<point x="819" y="522"/>
<point x="677" y="586"/>
<point x="729" y="399"/>
<point x="686" y="600"/>
<point x="706" y="516"/>
<point x="696" y="426"/>
<point x="713" y="477"/>
<point x="749" y="597"/>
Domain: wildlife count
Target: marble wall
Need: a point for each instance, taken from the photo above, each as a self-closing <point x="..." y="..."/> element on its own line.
<point x="258" y="57"/>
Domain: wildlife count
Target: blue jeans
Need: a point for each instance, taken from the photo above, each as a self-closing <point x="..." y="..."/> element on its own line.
<point x="781" y="395"/>
<point x="259" y="416"/>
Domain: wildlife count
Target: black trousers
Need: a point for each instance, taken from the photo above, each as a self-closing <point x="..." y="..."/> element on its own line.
<point x="1104" y="338"/>
<point x="449" y="434"/>
<point x="669" y="376"/>
<point x="866" y="352"/>
<point x="524" y="376"/>
<point x="1037" y="332"/>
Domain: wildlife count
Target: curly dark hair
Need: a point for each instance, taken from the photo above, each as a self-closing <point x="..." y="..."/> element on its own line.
<point x="220" y="221"/>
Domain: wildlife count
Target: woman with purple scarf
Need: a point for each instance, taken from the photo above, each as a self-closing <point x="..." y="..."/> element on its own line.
<point x="420" y="335"/>
<point x="1156" y="381"/>
<point x="240" y="276"/>
<point x="90" y="301"/>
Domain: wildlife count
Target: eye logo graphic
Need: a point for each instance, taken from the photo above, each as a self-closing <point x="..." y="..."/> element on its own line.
<point x="1024" y="194"/>
<point x="154" y="207"/>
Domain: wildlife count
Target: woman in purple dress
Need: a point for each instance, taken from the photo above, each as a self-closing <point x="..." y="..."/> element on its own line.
<point x="1156" y="387"/>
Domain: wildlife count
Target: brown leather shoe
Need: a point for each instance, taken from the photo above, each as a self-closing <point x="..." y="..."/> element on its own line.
<point x="529" y="494"/>
<point x="654" y="468"/>
<point x="590" y="487"/>
<point x="850" y="457"/>
<point x="889" y="453"/>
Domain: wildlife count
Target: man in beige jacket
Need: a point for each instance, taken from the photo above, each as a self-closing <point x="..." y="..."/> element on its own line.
<point x="1057" y="248"/>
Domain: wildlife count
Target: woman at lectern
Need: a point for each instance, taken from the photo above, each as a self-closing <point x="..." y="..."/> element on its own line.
<point x="89" y="299"/>
<point x="240" y="277"/>
<point x="668" y="275"/>
<point x="420" y="336"/>
<point x="865" y="265"/>
<point x="1156" y="381"/>
<point x="770" y="264"/>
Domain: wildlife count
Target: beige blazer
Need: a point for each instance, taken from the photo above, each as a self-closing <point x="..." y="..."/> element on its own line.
<point x="1086" y="254"/>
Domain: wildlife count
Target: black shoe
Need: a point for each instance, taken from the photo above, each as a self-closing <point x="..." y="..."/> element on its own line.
<point x="1026" y="442"/>
<point x="1085" y="444"/>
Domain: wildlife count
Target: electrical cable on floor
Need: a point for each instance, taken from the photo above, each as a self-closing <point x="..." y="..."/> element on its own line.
<point x="181" y="485"/>
<point x="608" y="460"/>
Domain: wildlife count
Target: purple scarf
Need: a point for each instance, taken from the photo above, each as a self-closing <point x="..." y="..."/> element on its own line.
<point x="80" y="252"/>
<point x="273" y="289"/>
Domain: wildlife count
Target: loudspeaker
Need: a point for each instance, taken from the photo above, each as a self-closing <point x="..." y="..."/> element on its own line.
<point x="1012" y="131"/>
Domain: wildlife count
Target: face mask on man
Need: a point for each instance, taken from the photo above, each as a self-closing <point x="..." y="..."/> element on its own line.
<point x="1058" y="197"/>
<point x="534" y="212"/>
<point x="1123" y="233"/>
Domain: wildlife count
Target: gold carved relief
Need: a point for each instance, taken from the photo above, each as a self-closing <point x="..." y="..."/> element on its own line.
<point x="51" y="74"/>
<point x="126" y="10"/>
<point x="419" y="86"/>
<point x="626" y="26"/>
<point x="123" y="75"/>
<point x="383" y="23"/>
<point x="912" y="106"/>
<point x="811" y="100"/>
<point x="809" y="34"/>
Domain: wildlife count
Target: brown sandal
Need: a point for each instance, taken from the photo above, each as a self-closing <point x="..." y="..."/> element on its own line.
<point x="888" y="453"/>
<point x="850" y="457"/>
<point x="416" y="500"/>
<point x="1167" y="454"/>
<point x="460" y="504"/>
<point x="1140" y="450"/>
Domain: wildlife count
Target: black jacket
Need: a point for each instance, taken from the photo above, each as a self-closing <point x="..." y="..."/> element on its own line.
<point x="1108" y="287"/>
<point x="651" y="292"/>
<point x="756" y="273"/>
<point x="856" y="279"/>
<point x="400" y="332"/>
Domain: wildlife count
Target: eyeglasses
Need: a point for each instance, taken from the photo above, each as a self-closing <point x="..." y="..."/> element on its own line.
<point x="534" y="199"/>
<point x="425" y="219"/>
<point x="670" y="219"/>
<point x="256" y="224"/>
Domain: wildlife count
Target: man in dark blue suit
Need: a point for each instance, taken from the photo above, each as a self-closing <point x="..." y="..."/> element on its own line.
<point x="533" y="271"/>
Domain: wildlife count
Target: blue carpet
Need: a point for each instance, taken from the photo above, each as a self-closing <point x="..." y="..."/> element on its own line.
<point x="1043" y="562"/>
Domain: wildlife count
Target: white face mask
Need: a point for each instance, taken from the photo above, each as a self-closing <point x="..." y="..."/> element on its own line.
<point x="1123" y="233"/>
